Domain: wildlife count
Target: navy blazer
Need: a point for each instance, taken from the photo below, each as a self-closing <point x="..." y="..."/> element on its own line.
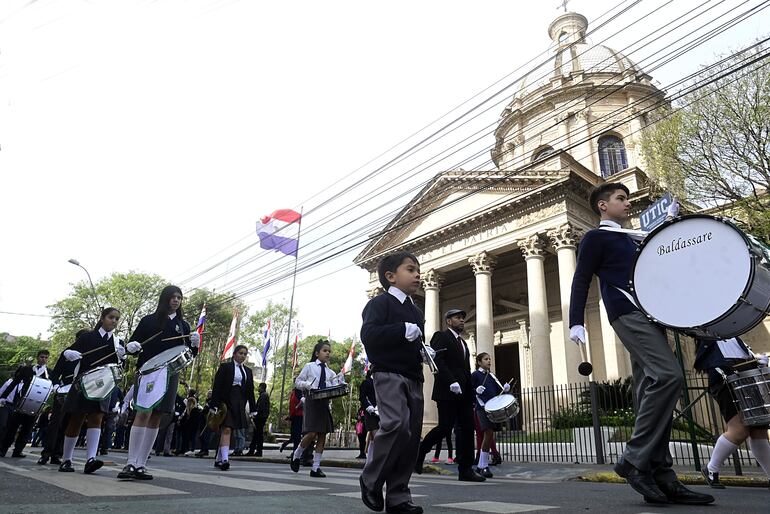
<point x="223" y="383"/>
<point x="491" y="389"/>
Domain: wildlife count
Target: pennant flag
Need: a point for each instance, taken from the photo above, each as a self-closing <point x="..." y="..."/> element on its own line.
<point x="266" y="349"/>
<point x="199" y="328"/>
<point x="348" y="366"/>
<point x="294" y="356"/>
<point x="230" y="344"/>
<point x="269" y="228"/>
<point x="366" y="363"/>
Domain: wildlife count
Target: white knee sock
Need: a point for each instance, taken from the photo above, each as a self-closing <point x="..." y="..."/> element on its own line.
<point x="150" y="434"/>
<point x="761" y="450"/>
<point x="316" y="460"/>
<point x="92" y="442"/>
<point x="135" y="442"/>
<point x="69" y="447"/>
<point x="223" y="454"/>
<point x="299" y="451"/>
<point x="483" y="460"/>
<point x="723" y="449"/>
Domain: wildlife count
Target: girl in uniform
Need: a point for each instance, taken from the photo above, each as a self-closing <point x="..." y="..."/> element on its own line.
<point x="92" y="349"/>
<point x="167" y="322"/>
<point x="317" y="421"/>
<point x="487" y="387"/>
<point x="233" y="387"/>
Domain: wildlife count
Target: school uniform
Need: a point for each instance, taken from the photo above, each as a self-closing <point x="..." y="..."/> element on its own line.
<point x="397" y="374"/>
<point x="62" y="376"/>
<point x="40" y="370"/>
<point x="234" y="386"/>
<point x="368" y="398"/>
<point x="19" y="425"/>
<point x="102" y="344"/>
<point x="317" y="415"/>
<point x="455" y="411"/>
<point x="492" y="388"/>
<point x="296" y="413"/>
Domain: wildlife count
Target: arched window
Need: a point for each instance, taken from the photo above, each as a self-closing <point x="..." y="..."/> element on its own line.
<point x="612" y="155"/>
<point x="542" y="152"/>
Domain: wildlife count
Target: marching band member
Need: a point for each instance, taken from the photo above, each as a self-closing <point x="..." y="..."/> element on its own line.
<point x="317" y="421"/>
<point x="485" y="389"/>
<point x="368" y="400"/>
<point x="392" y="334"/>
<point x="609" y="254"/>
<point x="40" y="369"/>
<point x="233" y="387"/>
<point x="166" y="322"/>
<point x="93" y="349"/>
<point x="720" y="359"/>
<point x="18" y="425"/>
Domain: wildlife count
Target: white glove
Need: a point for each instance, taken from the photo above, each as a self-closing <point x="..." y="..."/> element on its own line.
<point x="762" y="360"/>
<point x="506" y="388"/>
<point x="480" y="389"/>
<point x="673" y="209"/>
<point x="302" y="400"/>
<point x="370" y="409"/>
<point x="577" y="334"/>
<point x="120" y="352"/>
<point x="377" y="412"/>
<point x="413" y="331"/>
<point x="214" y="410"/>
<point x="455" y="388"/>
<point x="72" y="355"/>
<point x="430" y="351"/>
<point x="195" y="339"/>
<point x="116" y="410"/>
<point x="133" y="347"/>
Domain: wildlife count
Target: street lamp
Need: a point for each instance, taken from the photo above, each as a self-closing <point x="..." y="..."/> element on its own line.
<point x="93" y="289"/>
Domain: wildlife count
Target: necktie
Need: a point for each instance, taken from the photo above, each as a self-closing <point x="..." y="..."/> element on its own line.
<point x="106" y="338"/>
<point x="461" y="345"/>
<point x="322" y="381"/>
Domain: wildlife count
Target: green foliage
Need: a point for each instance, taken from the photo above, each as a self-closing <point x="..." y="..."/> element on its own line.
<point x="17" y="351"/>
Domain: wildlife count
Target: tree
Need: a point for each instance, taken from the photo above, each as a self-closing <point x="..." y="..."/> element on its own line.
<point x="252" y="329"/>
<point x="714" y="149"/>
<point x="18" y="351"/>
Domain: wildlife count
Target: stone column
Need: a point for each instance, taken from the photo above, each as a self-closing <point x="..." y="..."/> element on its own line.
<point x="482" y="265"/>
<point x="375" y="291"/>
<point x="533" y="250"/>
<point x="431" y="283"/>
<point x="564" y="240"/>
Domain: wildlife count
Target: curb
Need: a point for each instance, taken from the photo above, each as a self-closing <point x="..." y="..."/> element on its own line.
<point x="730" y="481"/>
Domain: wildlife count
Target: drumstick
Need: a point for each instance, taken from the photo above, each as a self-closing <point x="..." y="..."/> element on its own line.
<point x="176" y="337"/>
<point x="585" y="368"/>
<point x="113" y="353"/>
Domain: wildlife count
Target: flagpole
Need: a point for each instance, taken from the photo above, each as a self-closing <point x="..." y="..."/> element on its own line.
<point x="291" y="310"/>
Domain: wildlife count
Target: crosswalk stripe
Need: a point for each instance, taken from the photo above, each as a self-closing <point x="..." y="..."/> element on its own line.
<point x="357" y="495"/>
<point x="256" y="486"/>
<point x="491" y="507"/>
<point x="88" y="485"/>
<point x="301" y="478"/>
<point x="437" y="480"/>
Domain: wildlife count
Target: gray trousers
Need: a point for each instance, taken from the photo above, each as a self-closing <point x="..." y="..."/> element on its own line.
<point x="658" y="382"/>
<point x="396" y="444"/>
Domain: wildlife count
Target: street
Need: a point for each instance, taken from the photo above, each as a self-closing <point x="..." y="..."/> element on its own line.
<point x="190" y="485"/>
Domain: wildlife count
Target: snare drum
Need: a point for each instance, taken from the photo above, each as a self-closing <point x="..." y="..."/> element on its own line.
<point x="751" y="393"/>
<point x="328" y="392"/>
<point x="35" y="397"/>
<point x="704" y="276"/>
<point x="175" y="359"/>
<point x="501" y="408"/>
<point x="98" y="383"/>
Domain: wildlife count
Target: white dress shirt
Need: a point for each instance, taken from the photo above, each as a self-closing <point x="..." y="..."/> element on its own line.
<point x="239" y="376"/>
<point x="731" y="349"/>
<point x="310" y="376"/>
<point x="12" y="395"/>
<point x="40" y="370"/>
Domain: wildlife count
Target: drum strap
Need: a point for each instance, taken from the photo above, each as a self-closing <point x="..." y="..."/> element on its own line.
<point x="636" y="235"/>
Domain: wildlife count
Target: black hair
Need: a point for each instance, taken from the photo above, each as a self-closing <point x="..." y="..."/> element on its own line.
<point x="603" y="192"/>
<point x="391" y="263"/>
<point x="43" y="352"/>
<point x="239" y="348"/>
<point x="481" y="356"/>
<point x="80" y="333"/>
<point x="104" y="313"/>
<point x="317" y="348"/>
<point x="163" y="310"/>
<point x="262" y="385"/>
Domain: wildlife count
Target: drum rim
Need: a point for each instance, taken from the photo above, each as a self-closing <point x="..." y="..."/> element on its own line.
<point x="513" y="402"/>
<point x="678" y="219"/>
<point x="143" y="371"/>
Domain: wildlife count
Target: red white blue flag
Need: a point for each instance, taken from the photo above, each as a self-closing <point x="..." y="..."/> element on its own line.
<point x="273" y="233"/>
<point x="230" y="344"/>
<point x="266" y="349"/>
<point x="201" y="323"/>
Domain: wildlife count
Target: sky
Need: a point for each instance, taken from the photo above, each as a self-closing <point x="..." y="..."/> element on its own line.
<point x="151" y="135"/>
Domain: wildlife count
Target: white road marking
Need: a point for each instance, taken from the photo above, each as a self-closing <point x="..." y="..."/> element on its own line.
<point x="357" y="495"/>
<point x="298" y="477"/>
<point x="496" y="507"/>
<point x="256" y="486"/>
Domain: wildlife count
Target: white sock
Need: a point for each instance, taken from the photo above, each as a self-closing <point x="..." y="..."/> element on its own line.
<point x="299" y="451"/>
<point x="316" y="460"/>
<point x="92" y="442"/>
<point x="723" y="449"/>
<point x="69" y="447"/>
<point x="224" y="453"/>
<point x="761" y="450"/>
<point x="150" y="434"/>
<point x="483" y="460"/>
<point x="135" y="440"/>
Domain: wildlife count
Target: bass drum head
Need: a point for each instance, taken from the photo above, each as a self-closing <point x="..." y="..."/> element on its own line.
<point x="162" y="358"/>
<point x="692" y="271"/>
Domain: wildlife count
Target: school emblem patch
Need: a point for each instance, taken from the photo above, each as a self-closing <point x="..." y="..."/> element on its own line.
<point x="150" y="387"/>
<point x="100" y="383"/>
<point x="178" y="329"/>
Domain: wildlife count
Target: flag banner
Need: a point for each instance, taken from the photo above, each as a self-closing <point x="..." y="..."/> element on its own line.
<point x="294" y="356"/>
<point x="348" y="366"/>
<point x="272" y="233"/>
<point x="230" y="344"/>
<point x="199" y="328"/>
<point x="366" y="363"/>
<point x="266" y="348"/>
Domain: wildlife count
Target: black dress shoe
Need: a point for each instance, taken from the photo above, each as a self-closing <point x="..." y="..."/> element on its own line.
<point x="128" y="472"/>
<point x="405" y="508"/>
<point x="641" y="482"/>
<point x="418" y="466"/>
<point x="66" y="467"/>
<point x="712" y="479"/>
<point x="55" y="461"/>
<point x="92" y="465"/>
<point x="372" y="499"/>
<point x="43" y="460"/>
<point x="294" y="465"/>
<point x="317" y="473"/>
<point x="468" y="475"/>
<point x="225" y="465"/>
<point x="676" y="492"/>
<point x="485" y="472"/>
<point x="141" y="473"/>
<point x="496" y="459"/>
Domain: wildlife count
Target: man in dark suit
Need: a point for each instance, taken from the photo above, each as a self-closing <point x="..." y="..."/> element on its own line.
<point x="454" y="396"/>
<point x="260" y="420"/>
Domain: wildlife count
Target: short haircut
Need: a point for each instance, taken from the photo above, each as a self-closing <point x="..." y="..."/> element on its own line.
<point x="391" y="263"/>
<point x="603" y="192"/>
<point x="43" y="352"/>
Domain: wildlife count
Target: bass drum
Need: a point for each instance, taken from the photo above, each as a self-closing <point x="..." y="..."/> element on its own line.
<point x="704" y="276"/>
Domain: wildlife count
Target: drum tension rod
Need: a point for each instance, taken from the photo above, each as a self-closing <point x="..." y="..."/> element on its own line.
<point x="747" y="302"/>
